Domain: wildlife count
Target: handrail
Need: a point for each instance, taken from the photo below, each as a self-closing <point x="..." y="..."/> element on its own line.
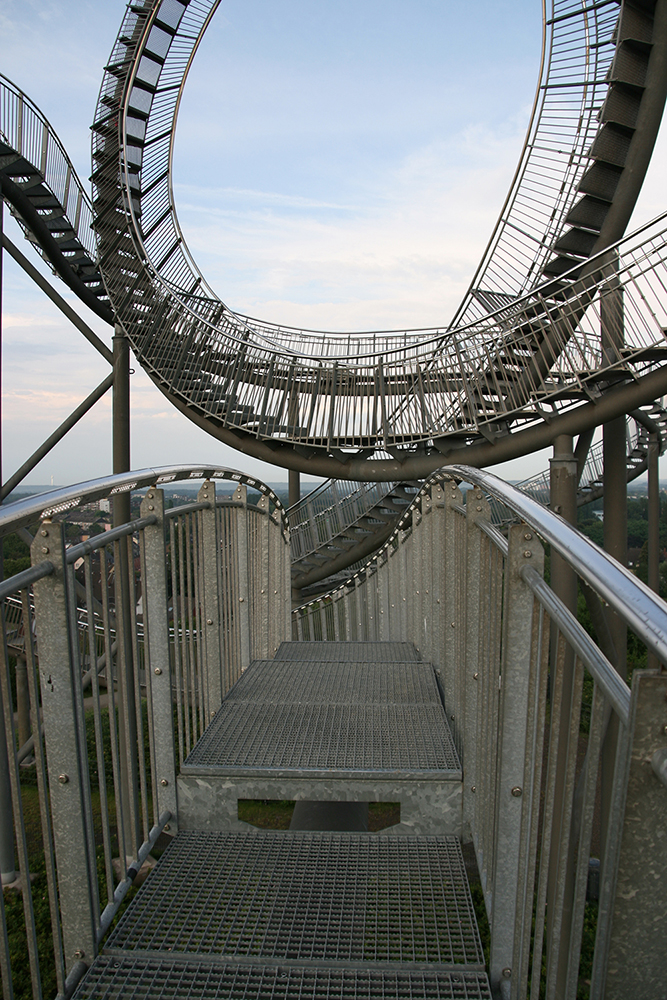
<point x="633" y="600"/>
<point x="59" y="173"/>
<point x="23" y="512"/>
<point x="24" y="579"/>
<point x="597" y="663"/>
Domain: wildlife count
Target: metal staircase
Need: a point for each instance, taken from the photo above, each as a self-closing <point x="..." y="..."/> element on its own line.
<point x="47" y="198"/>
<point x="230" y="910"/>
<point x="334" y="526"/>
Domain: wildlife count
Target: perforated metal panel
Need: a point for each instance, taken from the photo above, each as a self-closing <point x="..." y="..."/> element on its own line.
<point x="138" y="978"/>
<point x="363" y="738"/>
<point x="348" y="652"/>
<point x="316" y="896"/>
<point x="300" y="681"/>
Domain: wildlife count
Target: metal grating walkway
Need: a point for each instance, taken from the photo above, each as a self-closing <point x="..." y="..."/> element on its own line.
<point x="349" y="738"/>
<point x="305" y="915"/>
<point x="141" y="978"/>
<point x="298" y="681"/>
<point x="348" y="652"/>
<point x="340" y="897"/>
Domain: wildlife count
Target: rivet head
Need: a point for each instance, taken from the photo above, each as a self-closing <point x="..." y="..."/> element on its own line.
<point x="479" y="508"/>
<point x="453" y="624"/>
<point x="44" y="533"/>
<point x="167" y="826"/>
<point x="527" y="554"/>
<point x="158" y="671"/>
<point x="151" y="507"/>
<point x="241" y="599"/>
<point x="517" y="792"/>
<point x="451" y="717"/>
<point x="63" y="778"/>
<point x="473" y="788"/>
<point x="507" y="973"/>
<point x="209" y="621"/>
<point x="150" y="496"/>
<point x="475" y="676"/>
<point x="45" y="549"/>
<point x="528" y="536"/>
<point x="79" y="953"/>
<point x="164" y="782"/>
<point x="664" y="730"/>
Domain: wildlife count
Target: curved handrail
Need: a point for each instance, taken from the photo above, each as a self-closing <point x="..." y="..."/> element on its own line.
<point x="633" y="600"/>
<point x="643" y="611"/>
<point x="26" y="131"/>
<point x="248" y="382"/>
<point x="22" y="512"/>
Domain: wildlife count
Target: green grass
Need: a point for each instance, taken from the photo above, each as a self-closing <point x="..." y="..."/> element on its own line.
<point x="274" y="814"/>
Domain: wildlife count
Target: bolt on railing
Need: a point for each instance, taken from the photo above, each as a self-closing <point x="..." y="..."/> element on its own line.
<point x="207" y="589"/>
<point x="512" y="661"/>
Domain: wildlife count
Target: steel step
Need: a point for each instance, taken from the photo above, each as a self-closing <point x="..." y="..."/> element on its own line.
<point x="365" y="900"/>
<point x="348" y="652"/>
<point x="135" y="977"/>
<point x="325" y="682"/>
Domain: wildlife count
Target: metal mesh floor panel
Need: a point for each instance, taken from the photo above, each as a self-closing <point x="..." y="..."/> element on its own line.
<point x="307" y="896"/>
<point x="365" y="738"/>
<point x="300" y="681"/>
<point x="348" y="652"/>
<point x="139" y="978"/>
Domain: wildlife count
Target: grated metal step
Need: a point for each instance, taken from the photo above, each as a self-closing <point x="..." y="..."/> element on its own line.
<point x="301" y="681"/>
<point x="324" y="897"/>
<point x="348" y="652"/>
<point x="141" y="978"/>
<point x="359" y="738"/>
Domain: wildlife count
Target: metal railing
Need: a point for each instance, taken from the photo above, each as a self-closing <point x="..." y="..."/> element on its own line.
<point x="328" y="510"/>
<point x="512" y="660"/>
<point x="182" y="600"/>
<point x="28" y="132"/>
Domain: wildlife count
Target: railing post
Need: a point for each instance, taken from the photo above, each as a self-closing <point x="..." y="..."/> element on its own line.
<point x="66" y="751"/>
<point x="211" y="654"/>
<point x="158" y="658"/>
<point x="452" y="497"/>
<point x="515" y="795"/>
<point x="241" y="604"/>
<point x="477" y="509"/>
<point x="260" y="623"/>
<point x="637" y="963"/>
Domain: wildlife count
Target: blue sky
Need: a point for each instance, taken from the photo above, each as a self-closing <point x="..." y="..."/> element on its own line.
<point x="338" y="165"/>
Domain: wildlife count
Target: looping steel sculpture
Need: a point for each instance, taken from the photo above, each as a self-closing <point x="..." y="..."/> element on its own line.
<point x="527" y="343"/>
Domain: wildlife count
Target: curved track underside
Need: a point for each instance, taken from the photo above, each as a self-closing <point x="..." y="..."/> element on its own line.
<point x="332" y="529"/>
<point x="539" y="336"/>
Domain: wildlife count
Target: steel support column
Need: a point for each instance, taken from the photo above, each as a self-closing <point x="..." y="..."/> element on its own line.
<point x="6" y="820"/>
<point x="564" y="480"/>
<point x="124" y="658"/>
<point x="294" y="487"/>
<point x="653" y="525"/>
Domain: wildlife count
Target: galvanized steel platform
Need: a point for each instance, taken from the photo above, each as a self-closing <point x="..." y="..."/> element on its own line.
<point x="334" y="728"/>
<point x="348" y="652"/>
<point x="329" y="897"/>
<point x="235" y="913"/>
<point x="297" y="915"/>
<point x="136" y="977"/>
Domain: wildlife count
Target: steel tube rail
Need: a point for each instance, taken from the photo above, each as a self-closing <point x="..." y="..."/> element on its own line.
<point x="23" y="512"/>
<point x="626" y="594"/>
<point x="614" y="687"/>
